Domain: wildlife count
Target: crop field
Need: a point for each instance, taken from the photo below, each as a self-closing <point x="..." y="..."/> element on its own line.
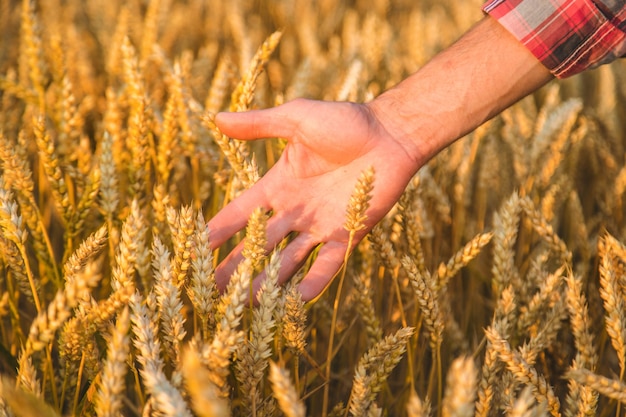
<point x="496" y="286"/>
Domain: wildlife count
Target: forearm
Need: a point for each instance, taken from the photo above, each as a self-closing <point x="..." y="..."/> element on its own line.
<point x="482" y="74"/>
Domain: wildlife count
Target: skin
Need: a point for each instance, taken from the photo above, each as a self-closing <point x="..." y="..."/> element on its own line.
<point x="331" y="143"/>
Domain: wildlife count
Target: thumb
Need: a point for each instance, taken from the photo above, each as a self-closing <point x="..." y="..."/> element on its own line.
<point x="278" y="121"/>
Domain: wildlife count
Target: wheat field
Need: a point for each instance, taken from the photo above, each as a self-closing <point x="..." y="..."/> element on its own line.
<point x="496" y="285"/>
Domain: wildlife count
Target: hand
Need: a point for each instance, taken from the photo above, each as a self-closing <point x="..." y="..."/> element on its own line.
<point x="307" y="191"/>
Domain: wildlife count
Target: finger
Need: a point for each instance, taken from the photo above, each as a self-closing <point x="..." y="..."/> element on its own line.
<point x="329" y="261"/>
<point x="291" y="259"/>
<point x="275" y="122"/>
<point x="235" y="215"/>
<point x="277" y="229"/>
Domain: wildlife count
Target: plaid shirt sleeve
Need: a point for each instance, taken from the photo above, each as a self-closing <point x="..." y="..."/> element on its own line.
<point x="567" y="36"/>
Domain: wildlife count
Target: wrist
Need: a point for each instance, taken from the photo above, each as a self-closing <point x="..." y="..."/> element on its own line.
<point x="479" y="76"/>
<point x="423" y="125"/>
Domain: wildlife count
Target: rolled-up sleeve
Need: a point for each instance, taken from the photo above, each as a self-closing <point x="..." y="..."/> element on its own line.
<point x="567" y="36"/>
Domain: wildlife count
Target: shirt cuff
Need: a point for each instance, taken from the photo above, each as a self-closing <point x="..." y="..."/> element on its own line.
<point x="567" y="36"/>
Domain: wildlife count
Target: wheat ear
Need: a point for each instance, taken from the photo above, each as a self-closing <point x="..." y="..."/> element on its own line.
<point x="608" y="387"/>
<point x="613" y="297"/>
<point x="503" y="321"/>
<point x="137" y="138"/>
<point x="202" y="290"/>
<point x="109" y="398"/>
<point x="52" y="168"/>
<point x="182" y="228"/>
<point x="13" y="241"/>
<point x="545" y="230"/>
<point x="525" y="406"/>
<point x="427" y="299"/>
<point x="543" y="299"/>
<point x="167" y="141"/>
<point x="18" y="175"/>
<point x="169" y="302"/>
<point x="284" y="391"/>
<point x="416" y="407"/>
<point x="580" y="321"/>
<point x="254" y="352"/>
<point x="293" y="320"/>
<point x="256" y="238"/>
<point x="461" y="258"/>
<point x="244" y="91"/>
<point x="222" y="78"/>
<point x="45" y="324"/>
<point x="245" y="169"/>
<point x="505" y="227"/>
<point x="32" y="65"/>
<point x="365" y="307"/>
<point x="461" y="387"/>
<point x="205" y="397"/>
<point x="216" y="355"/>
<point x="168" y="400"/>
<point x="374" y="368"/>
<point x="523" y="372"/>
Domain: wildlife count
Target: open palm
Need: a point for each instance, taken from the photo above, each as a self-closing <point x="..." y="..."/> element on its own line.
<point x="307" y="191"/>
